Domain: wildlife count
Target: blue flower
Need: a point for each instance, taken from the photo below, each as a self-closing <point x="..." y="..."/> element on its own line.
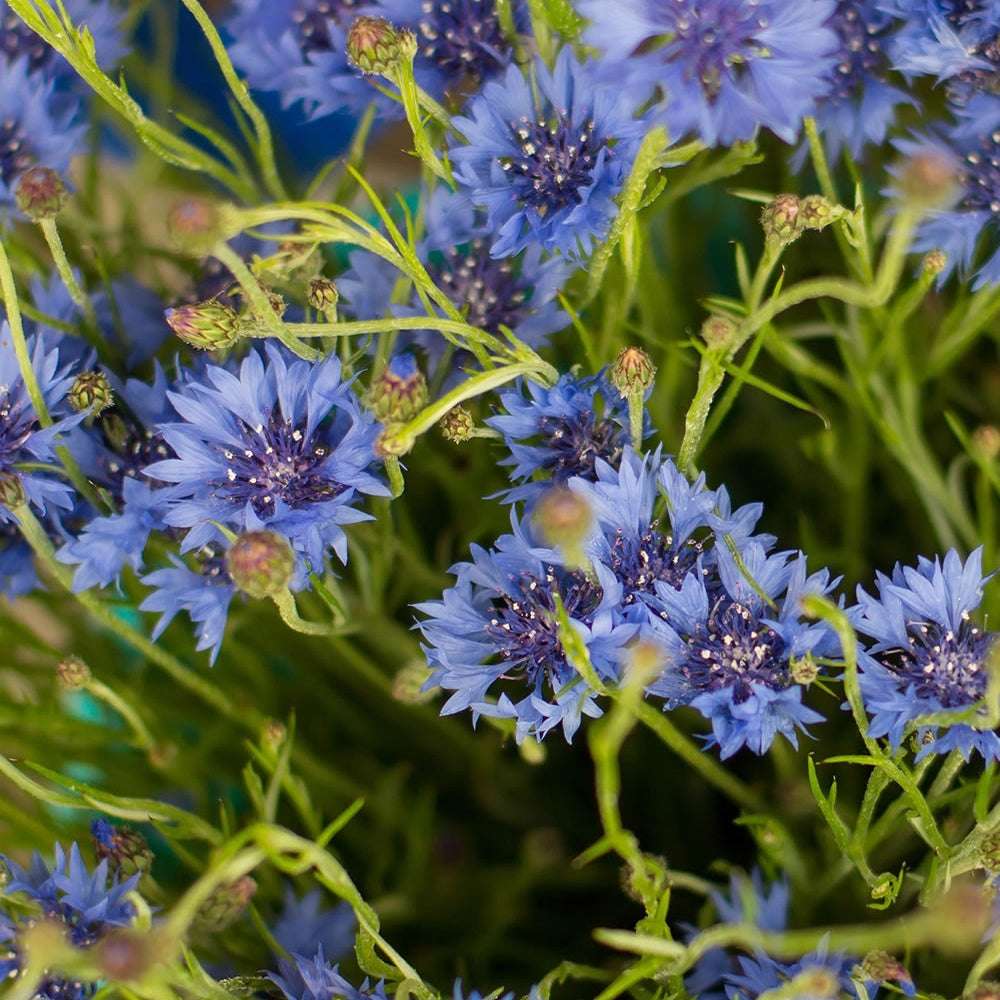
<point x="861" y="105"/>
<point x="972" y="148"/>
<point x="315" y="979"/>
<point x="22" y="437"/>
<point x="204" y="594"/>
<point x="927" y="656"/>
<point x="101" y="18"/>
<point x="496" y="631"/>
<point x="37" y="127"/>
<point x="630" y="550"/>
<point x="819" y="974"/>
<point x="555" y="434"/>
<point x="545" y="157"/>
<point x="460" y="43"/>
<point x="718" y="68"/>
<point x="299" y="49"/>
<point x="282" y="445"/>
<point x="303" y="926"/>
<point x="729" y="640"/>
<point x="86" y="903"/>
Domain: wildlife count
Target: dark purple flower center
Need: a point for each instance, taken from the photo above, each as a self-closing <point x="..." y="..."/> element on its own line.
<point x="981" y="176"/>
<point x="524" y="628"/>
<point x="18" y="41"/>
<point x="712" y="39"/>
<point x="15" y="156"/>
<point x="462" y="37"/>
<point x="557" y="159"/>
<point x="575" y="443"/>
<point x="278" y="462"/>
<point x="491" y="290"/>
<point x="639" y="561"/>
<point x="131" y="447"/>
<point x="941" y="664"/>
<point x="733" y="649"/>
<point x="312" y="19"/>
<point x="861" y="55"/>
<point x="17" y="422"/>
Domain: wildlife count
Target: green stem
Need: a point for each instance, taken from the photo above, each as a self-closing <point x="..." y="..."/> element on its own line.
<point x="80" y="299"/>
<point x="110" y="697"/>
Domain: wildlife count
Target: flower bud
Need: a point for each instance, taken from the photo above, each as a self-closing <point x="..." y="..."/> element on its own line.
<point x="226" y="904"/>
<point x="816" y="982"/>
<point x="394" y="442"/>
<point x="986" y="441"/>
<point x="457" y="425"/>
<point x="987" y="989"/>
<point x="718" y="331"/>
<point x="91" y="391"/>
<point x="632" y="371"/>
<point x="273" y="734"/>
<point x="40" y="193"/>
<point x="195" y="225"/>
<point x="408" y="683"/>
<point x="929" y="179"/>
<point x="564" y="520"/>
<point x="881" y="967"/>
<point x="780" y="219"/>
<point x="935" y="261"/>
<point x="261" y="563"/>
<point x="208" y="326"/>
<point x="376" y="46"/>
<point x="11" y="490"/>
<point x="73" y="673"/>
<point x="399" y="393"/>
<point x="126" y="849"/>
<point x="816" y="212"/>
<point x="125" y="955"/>
<point x="803" y="669"/>
<point x="322" y="295"/>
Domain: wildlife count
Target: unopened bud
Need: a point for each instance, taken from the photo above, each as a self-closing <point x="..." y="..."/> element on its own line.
<point x="273" y="734"/>
<point x="632" y="371"/>
<point x="988" y="989"/>
<point x="564" y="520"/>
<point x="408" y="684"/>
<point x="780" y="219"/>
<point x="989" y="852"/>
<point x="40" y="193"/>
<point x="935" y="261"/>
<point x="226" y="904"/>
<point x="376" y="46"/>
<point x="394" y="442"/>
<point x="816" y="212"/>
<point x="986" y="440"/>
<point x="457" y="425"/>
<point x="11" y="490"/>
<point x="816" y="982"/>
<point x="126" y="849"/>
<point x="929" y="179"/>
<point x="261" y="563"/>
<point x="91" y="391"/>
<point x="881" y="967"/>
<point x="73" y="673"/>
<point x="125" y="955"/>
<point x="196" y="225"/>
<point x="803" y="670"/>
<point x="399" y="393"/>
<point x="208" y="326"/>
<point x="323" y="295"/>
<point x="718" y="331"/>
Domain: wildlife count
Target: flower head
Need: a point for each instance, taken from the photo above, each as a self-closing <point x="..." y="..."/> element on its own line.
<point x="718" y="69"/>
<point x="303" y="925"/>
<point x="282" y="445"/>
<point x="315" y="979"/>
<point x="299" y="49"/>
<point x="545" y="157"/>
<point x="729" y="640"/>
<point x="927" y="656"/>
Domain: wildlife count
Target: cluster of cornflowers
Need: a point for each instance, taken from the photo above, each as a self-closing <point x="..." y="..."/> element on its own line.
<point x="613" y="548"/>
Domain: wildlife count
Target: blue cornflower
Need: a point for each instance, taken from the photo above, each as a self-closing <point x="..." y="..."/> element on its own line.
<point x="819" y="975"/>
<point x="718" y="69"/>
<point x="862" y="102"/>
<point x="496" y="631"/>
<point x="546" y="156"/>
<point x="303" y="926"/>
<point x="204" y="594"/>
<point x="748" y="901"/>
<point x="17" y="564"/>
<point x="557" y="433"/>
<point x="88" y="904"/>
<point x="927" y="656"/>
<point x="971" y="145"/>
<point x="23" y="440"/>
<point x="101" y="18"/>
<point x="37" y="127"/>
<point x="629" y="550"/>
<point x="315" y="979"/>
<point x="729" y="642"/>
<point x="460" y="43"/>
<point x="299" y="49"/>
<point x="282" y="445"/>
